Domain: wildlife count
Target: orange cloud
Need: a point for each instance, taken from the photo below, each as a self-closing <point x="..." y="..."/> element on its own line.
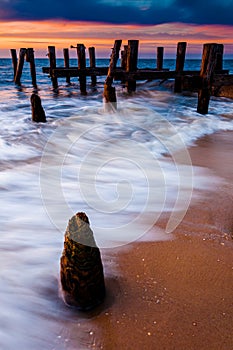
<point x="40" y="34"/>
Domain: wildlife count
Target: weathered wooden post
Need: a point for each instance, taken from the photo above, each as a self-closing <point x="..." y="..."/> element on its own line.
<point x="131" y="65"/>
<point x="66" y="63"/>
<point x="124" y="61"/>
<point x="92" y="64"/>
<point x="180" y="59"/>
<point x="160" y="51"/>
<point x="30" y="58"/>
<point x="81" y="268"/>
<point x="109" y="90"/>
<point x="219" y="58"/>
<point x="38" y="114"/>
<point x="208" y="65"/>
<point x="82" y="66"/>
<point x="14" y="60"/>
<point x="52" y="61"/>
<point x="19" y="70"/>
<point x="124" y="57"/>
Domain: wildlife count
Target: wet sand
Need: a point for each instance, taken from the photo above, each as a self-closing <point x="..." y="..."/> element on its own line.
<point x="177" y="294"/>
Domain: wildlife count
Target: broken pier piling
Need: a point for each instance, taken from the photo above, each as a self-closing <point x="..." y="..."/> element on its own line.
<point x="180" y="60"/>
<point x="92" y="65"/>
<point x="30" y="58"/>
<point x="14" y="60"/>
<point x="53" y="64"/>
<point x="160" y="51"/>
<point x="66" y="63"/>
<point x="131" y="63"/>
<point x="109" y="90"/>
<point x="208" y="67"/>
<point x="38" y="113"/>
<point x="81" y="268"/>
<point x="81" y="53"/>
<point x="18" y="64"/>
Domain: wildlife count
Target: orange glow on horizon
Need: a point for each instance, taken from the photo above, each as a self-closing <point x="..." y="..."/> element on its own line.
<point x="40" y="34"/>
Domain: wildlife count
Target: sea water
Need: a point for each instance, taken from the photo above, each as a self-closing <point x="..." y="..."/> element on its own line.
<point x="123" y="168"/>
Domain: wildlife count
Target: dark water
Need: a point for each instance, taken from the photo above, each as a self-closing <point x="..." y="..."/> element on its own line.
<point x="113" y="166"/>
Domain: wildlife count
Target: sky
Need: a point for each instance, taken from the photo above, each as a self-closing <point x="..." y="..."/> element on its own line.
<point x="39" y="23"/>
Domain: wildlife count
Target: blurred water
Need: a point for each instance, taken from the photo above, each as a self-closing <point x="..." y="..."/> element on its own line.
<point x="121" y="168"/>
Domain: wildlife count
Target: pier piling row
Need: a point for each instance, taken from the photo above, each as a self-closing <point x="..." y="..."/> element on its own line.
<point x="207" y="81"/>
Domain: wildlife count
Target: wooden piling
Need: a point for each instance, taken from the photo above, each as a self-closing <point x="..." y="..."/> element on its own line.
<point x="124" y="57"/>
<point x="14" y="60"/>
<point x="19" y="70"/>
<point x="81" y="268"/>
<point x="180" y="59"/>
<point x="113" y="62"/>
<point x="131" y="64"/>
<point x="30" y="58"/>
<point x="52" y="61"/>
<point x="124" y="60"/>
<point x="92" y="64"/>
<point x="109" y="90"/>
<point x="38" y="114"/>
<point x="180" y="56"/>
<point x="219" y="58"/>
<point x="160" y="51"/>
<point x="66" y="63"/>
<point x="82" y="65"/>
<point x="208" y="66"/>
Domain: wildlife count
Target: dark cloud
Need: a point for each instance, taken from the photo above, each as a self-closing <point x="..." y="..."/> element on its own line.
<point x="206" y="11"/>
<point x="138" y="11"/>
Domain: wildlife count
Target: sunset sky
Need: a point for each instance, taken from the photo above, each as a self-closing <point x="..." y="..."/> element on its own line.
<point x="39" y="23"/>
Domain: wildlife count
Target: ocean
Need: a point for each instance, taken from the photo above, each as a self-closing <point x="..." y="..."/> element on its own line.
<point x="123" y="168"/>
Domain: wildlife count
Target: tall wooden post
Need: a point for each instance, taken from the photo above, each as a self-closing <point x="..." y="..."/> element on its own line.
<point x="132" y="60"/>
<point x="109" y="90"/>
<point x="160" y="51"/>
<point x="180" y="59"/>
<point x="52" y="61"/>
<point x="30" y="58"/>
<point x="124" y="57"/>
<point x="66" y="63"/>
<point x="19" y="70"/>
<point x="14" y="60"/>
<point x="219" y="58"/>
<point x="82" y="65"/>
<point x="92" y="64"/>
<point x="208" y="65"/>
<point x="124" y="61"/>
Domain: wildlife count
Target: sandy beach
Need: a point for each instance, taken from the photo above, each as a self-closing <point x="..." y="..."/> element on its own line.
<point x="177" y="294"/>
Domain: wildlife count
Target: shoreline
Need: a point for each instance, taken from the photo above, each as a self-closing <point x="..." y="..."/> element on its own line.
<point x="177" y="294"/>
